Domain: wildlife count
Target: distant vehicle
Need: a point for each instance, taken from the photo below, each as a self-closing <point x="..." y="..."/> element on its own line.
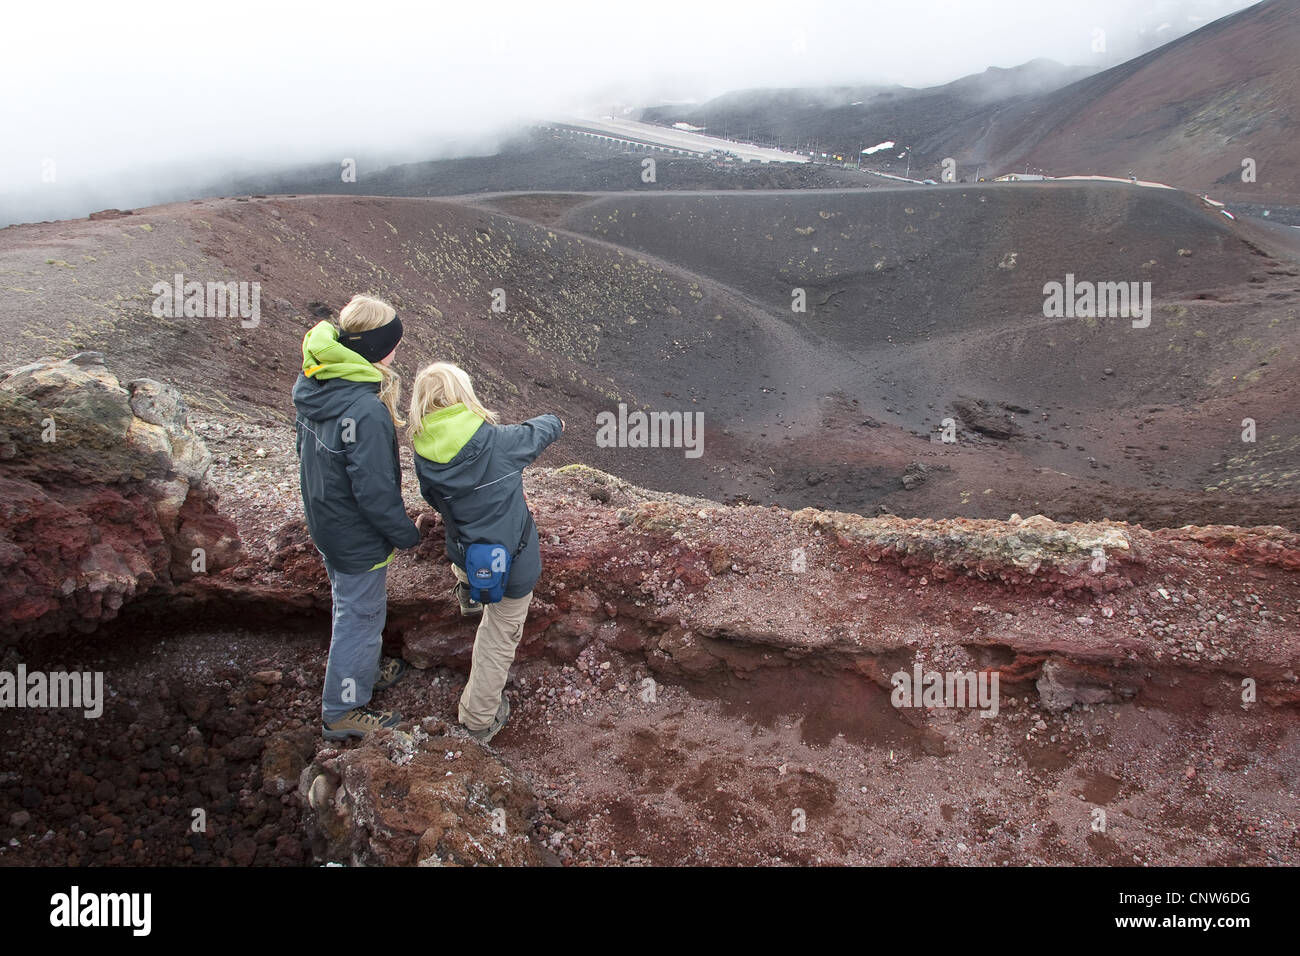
<point x="930" y="182"/>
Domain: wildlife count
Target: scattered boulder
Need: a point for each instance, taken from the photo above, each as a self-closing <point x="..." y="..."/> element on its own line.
<point x="915" y="475"/>
<point x="981" y="416"/>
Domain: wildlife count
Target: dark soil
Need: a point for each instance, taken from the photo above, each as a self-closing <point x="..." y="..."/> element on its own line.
<point x="681" y="302"/>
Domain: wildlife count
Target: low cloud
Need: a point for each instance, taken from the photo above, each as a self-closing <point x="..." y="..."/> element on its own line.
<point x="126" y="103"/>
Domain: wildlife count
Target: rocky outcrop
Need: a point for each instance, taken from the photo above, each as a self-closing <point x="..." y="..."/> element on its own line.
<point x="429" y="797"/>
<point x="102" y="496"/>
<point x="1034" y="551"/>
<point x="1074" y="613"/>
<point x="1269" y="545"/>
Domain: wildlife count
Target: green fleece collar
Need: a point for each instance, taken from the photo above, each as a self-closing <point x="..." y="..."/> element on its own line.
<point x="323" y="356"/>
<point x="444" y="433"/>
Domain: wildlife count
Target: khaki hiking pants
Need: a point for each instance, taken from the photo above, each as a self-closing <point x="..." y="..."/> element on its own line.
<point x="498" y="636"/>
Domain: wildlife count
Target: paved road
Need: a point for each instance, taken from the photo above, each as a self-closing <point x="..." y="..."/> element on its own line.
<point x="678" y="139"/>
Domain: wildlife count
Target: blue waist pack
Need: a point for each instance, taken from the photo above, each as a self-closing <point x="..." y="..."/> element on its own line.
<point x="488" y="568"/>
<point x="487" y="564"/>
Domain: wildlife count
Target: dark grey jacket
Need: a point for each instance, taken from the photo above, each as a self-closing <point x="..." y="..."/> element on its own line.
<point x="483" y="488"/>
<point x="351" y="489"/>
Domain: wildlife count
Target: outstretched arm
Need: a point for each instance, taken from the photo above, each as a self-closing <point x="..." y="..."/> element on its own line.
<point x="521" y="444"/>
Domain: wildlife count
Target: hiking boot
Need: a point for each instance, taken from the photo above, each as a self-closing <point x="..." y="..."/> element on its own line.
<point x="468" y="606"/>
<point x="487" y="733"/>
<point x="391" y="670"/>
<point x="360" y="721"/>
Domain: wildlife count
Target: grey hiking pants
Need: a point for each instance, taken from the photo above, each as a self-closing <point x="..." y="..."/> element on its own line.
<point x="499" y="632"/>
<point x="360" y="609"/>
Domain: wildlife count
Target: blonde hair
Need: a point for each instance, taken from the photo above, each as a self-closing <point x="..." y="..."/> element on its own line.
<point x="362" y="314"/>
<point x="442" y="385"/>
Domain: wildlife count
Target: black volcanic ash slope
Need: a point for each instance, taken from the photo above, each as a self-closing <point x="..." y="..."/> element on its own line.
<point x="922" y="304"/>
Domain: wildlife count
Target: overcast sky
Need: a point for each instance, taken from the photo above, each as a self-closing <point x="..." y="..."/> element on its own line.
<point x="130" y="92"/>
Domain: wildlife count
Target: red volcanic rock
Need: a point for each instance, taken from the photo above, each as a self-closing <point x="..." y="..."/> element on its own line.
<point x="1269" y="545"/>
<point x="102" y="496"/>
<point x="407" y="799"/>
<point x="1078" y="613"/>
<point x="295" y="556"/>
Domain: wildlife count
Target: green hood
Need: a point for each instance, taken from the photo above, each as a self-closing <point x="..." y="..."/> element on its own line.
<point x="323" y="356"/>
<point x="444" y="433"/>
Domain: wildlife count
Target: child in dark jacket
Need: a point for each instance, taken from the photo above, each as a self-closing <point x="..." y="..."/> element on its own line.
<point x="351" y="481"/>
<point x="471" y="470"/>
